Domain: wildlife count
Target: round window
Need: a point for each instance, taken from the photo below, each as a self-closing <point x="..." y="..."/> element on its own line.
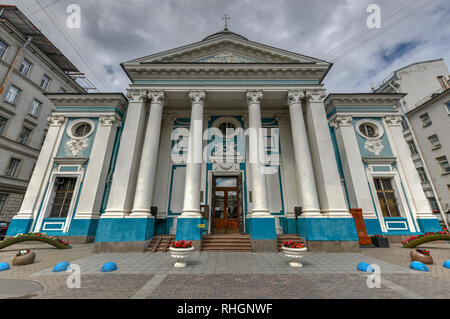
<point x="370" y="129"/>
<point x="227" y="126"/>
<point x="80" y="129"/>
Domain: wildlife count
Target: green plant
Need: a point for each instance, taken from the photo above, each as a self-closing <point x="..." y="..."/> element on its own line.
<point x="43" y="237"/>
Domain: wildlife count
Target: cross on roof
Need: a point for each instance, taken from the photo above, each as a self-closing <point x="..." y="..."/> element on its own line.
<point x="226" y="18"/>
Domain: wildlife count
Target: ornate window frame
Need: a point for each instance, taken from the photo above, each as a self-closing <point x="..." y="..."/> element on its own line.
<point x="379" y="129"/>
<point x="72" y="126"/>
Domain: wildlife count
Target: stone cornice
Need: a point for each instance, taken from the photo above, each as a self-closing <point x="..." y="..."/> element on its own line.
<point x="92" y="100"/>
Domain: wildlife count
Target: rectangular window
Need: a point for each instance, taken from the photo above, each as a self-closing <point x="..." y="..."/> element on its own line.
<point x="3" y="48"/>
<point x="422" y="175"/>
<point x="386" y="196"/>
<point x="12" y="167"/>
<point x="44" y="82"/>
<point x="433" y="204"/>
<point x="13" y="92"/>
<point x="404" y="124"/>
<point x="3" y="198"/>
<point x="24" y="135"/>
<point x="35" y="105"/>
<point x="2" y="124"/>
<point x="443" y="162"/>
<point x="412" y="147"/>
<point x="426" y="120"/>
<point x="64" y="187"/>
<point x="25" y="67"/>
<point x="435" y="143"/>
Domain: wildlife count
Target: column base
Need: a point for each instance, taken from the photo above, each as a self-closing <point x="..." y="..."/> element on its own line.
<point x="19" y="226"/>
<point x="429" y="225"/>
<point x="187" y="229"/>
<point x="128" y="230"/>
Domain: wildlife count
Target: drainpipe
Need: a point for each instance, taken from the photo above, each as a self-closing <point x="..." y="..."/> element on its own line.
<point x="18" y="54"/>
<point x="421" y="158"/>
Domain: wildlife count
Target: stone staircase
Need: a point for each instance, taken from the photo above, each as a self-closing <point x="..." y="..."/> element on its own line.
<point x="287" y="237"/>
<point x="227" y="242"/>
<point x="160" y="243"/>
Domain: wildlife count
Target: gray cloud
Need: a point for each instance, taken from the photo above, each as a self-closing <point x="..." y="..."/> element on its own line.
<point x="116" y="31"/>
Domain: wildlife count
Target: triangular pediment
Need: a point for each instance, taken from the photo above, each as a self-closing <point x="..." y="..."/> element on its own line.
<point x="226" y="49"/>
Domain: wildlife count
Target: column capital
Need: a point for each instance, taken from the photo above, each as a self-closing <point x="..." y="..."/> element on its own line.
<point x="137" y="95"/>
<point x="341" y="120"/>
<point x="393" y="120"/>
<point x="254" y="96"/>
<point x="110" y="120"/>
<point x="156" y="97"/>
<point x="57" y="120"/>
<point x="315" y="95"/>
<point x="197" y="96"/>
<point x="295" y="97"/>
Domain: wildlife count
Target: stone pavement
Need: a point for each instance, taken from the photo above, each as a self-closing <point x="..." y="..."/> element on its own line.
<point x="226" y="275"/>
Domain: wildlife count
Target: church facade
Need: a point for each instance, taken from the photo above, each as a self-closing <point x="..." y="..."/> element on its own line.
<point x="227" y="136"/>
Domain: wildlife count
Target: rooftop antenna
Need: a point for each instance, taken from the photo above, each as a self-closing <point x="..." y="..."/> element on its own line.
<point x="226" y="18"/>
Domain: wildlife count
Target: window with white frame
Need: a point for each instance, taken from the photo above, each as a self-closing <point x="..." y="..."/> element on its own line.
<point x="24" y="135"/>
<point x="422" y="174"/>
<point x="386" y="196"/>
<point x="412" y="147"/>
<point x="404" y="124"/>
<point x="64" y="188"/>
<point x="434" y="140"/>
<point x="25" y="67"/>
<point x="426" y="120"/>
<point x="45" y="82"/>
<point x="3" y="122"/>
<point x="3" y="48"/>
<point x="443" y="162"/>
<point x="11" y="169"/>
<point x="11" y="97"/>
<point x="34" y="109"/>
<point x="433" y="204"/>
<point x="3" y="197"/>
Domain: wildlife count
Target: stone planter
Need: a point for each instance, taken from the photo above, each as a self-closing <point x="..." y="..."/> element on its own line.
<point x="180" y="255"/>
<point x="417" y="256"/>
<point x="294" y="254"/>
<point x="380" y="242"/>
<point x="26" y="259"/>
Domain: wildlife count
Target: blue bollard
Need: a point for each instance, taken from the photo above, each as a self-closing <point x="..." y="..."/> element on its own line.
<point x="417" y="265"/>
<point x="109" y="266"/>
<point x="4" y="266"/>
<point x="363" y="266"/>
<point x="447" y="264"/>
<point x="61" y="266"/>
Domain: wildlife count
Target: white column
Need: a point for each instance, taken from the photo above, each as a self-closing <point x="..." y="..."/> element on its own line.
<point x="123" y="185"/>
<point x="328" y="181"/>
<point x="352" y="166"/>
<point x="414" y="192"/>
<point x="143" y="198"/>
<point x="256" y="150"/>
<point x="304" y="167"/>
<point x="42" y="170"/>
<point x="191" y="205"/>
<point x="91" y="196"/>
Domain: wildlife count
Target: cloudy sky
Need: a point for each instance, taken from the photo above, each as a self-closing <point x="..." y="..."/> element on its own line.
<point x="115" y="31"/>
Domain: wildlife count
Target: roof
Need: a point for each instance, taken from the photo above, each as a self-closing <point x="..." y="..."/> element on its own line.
<point x="224" y="32"/>
<point x="27" y="28"/>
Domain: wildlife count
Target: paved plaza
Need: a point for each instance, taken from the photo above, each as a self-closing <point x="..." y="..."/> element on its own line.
<point x="224" y="275"/>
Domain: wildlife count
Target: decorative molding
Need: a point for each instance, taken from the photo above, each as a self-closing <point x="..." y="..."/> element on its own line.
<point x="76" y="146"/>
<point x="341" y="120"/>
<point x="110" y="120"/>
<point x="197" y="97"/>
<point x="57" y="120"/>
<point x="70" y="160"/>
<point x="393" y="120"/>
<point x="228" y="57"/>
<point x="379" y="160"/>
<point x="374" y="146"/>
<point x="254" y="97"/>
<point x="295" y="97"/>
<point x="156" y="97"/>
<point x="315" y="95"/>
<point x="137" y="96"/>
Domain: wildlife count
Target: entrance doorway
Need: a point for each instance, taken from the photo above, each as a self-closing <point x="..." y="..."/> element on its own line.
<point x="225" y="207"/>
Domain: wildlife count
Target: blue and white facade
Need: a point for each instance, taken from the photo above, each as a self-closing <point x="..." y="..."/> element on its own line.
<point x="117" y="171"/>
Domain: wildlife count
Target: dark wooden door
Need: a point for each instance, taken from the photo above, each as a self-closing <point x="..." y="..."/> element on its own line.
<point x="226" y="204"/>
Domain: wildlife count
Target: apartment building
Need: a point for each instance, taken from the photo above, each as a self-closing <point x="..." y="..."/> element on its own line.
<point x="30" y="67"/>
<point x="425" y="84"/>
